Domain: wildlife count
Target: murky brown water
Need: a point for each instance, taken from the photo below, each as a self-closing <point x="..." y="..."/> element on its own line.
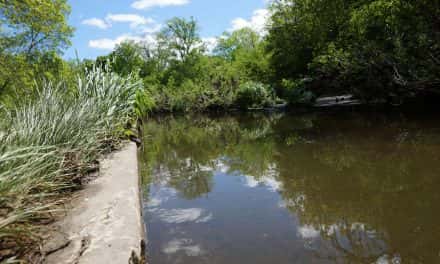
<point x="280" y="188"/>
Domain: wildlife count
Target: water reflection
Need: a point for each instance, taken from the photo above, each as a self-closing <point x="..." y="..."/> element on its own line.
<point x="255" y="188"/>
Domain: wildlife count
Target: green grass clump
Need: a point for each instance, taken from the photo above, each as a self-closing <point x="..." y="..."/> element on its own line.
<point x="51" y="139"/>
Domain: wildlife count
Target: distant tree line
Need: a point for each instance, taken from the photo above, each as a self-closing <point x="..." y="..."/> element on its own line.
<point x="380" y="51"/>
<point x="377" y="50"/>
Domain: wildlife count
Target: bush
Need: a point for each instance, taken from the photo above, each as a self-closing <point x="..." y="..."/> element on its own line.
<point x="144" y="104"/>
<point x="254" y="95"/>
<point x="191" y="95"/>
<point x="295" y="92"/>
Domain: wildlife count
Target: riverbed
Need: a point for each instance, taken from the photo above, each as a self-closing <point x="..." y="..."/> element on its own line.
<point x="333" y="187"/>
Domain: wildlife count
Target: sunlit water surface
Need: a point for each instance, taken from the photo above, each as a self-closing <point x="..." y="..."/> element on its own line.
<point x="283" y="188"/>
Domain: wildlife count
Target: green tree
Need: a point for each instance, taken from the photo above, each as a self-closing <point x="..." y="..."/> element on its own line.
<point x="299" y="30"/>
<point x="231" y="43"/>
<point x="181" y="36"/>
<point x="125" y="59"/>
<point x="245" y="51"/>
<point x="32" y="36"/>
<point x="375" y="49"/>
<point x="30" y="26"/>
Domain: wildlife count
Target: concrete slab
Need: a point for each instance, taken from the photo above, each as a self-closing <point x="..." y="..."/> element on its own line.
<point x="105" y="224"/>
<point x="342" y="100"/>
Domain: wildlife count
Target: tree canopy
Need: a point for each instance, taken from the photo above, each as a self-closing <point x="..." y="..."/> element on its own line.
<point x="33" y="35"/>
<point x="30" y="26"/>
<point x="373" y="48"/>
<point x="377" y="50"/>
<point x="181" y="36"/>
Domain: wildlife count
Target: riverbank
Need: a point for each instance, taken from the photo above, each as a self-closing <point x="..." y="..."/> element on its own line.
<point x="104" y="223"/>
<point x="50" y="143"/>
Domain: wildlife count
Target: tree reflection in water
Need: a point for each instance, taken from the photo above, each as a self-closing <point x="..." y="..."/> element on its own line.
<point x="364" y="187"/>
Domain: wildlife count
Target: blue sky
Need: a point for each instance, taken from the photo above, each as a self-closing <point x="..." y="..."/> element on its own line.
<point x="101" y="24"/>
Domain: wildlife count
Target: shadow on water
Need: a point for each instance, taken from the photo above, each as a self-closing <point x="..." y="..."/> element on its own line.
<point x="279" y="188"/>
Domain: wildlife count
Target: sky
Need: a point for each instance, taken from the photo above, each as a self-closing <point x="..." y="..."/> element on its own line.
<point x="102" y="24"/>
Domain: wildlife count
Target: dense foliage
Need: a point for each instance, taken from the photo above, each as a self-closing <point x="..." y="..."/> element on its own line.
<point x="33" y="34"/>
<point x="180" y="73"/>
<point x="376" y="49"/>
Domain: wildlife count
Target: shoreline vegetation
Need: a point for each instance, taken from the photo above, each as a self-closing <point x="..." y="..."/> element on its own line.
<point x="57" y="117"/>
<point x="49" y="143"/>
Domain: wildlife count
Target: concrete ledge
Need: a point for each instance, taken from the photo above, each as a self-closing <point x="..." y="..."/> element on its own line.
<point x="105" y="224"/>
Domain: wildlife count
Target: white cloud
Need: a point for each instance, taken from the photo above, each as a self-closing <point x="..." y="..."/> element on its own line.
<point x="144" y="28"/>
<point x="133" y="19"/>
<point x="268" y="179"/>
<point x="96" y="22"/>
<point x="251" y="182"/>
<point x="179" y="216"/>
<point x="386" y="259"/>
<point x="269" y="182"/>
<point x="146" y="4"/>
<point x="257" y="22"/>
<point x="210" y="44"/>
<point x="106" y="43"/>
<point x="205" y="219"/>
<point x="182" y="245"/>
<point x="222" y="166"/>
<point x="110" y="44"/>
<point x="308" y="232"/>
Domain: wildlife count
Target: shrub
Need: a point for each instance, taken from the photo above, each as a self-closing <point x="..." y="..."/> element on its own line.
<point x="144" y="103"/>
<point x="191" y="95"/>
<point x="295" y="92"/>
<point x="254" y="95"/>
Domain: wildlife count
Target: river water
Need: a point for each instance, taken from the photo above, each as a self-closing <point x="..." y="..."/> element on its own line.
<point x="282" y="188"/>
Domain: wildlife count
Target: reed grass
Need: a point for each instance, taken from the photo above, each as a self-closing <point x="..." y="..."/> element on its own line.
<point x="48" y="141"/>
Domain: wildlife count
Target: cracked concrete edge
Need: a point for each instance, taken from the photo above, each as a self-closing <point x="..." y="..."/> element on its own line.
<point x="105" y="223"/>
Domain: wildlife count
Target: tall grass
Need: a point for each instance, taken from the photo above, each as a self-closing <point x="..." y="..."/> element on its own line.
<point x="48" y="141"/>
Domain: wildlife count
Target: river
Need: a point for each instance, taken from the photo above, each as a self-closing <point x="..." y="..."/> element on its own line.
<point x="329" y="187"/>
